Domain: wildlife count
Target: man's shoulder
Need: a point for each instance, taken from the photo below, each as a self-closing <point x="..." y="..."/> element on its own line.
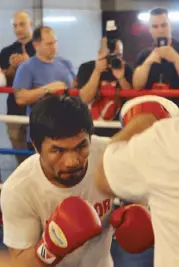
<point x="28" y="64"/>
<point x="143" y="55"/>
<point x="10" y="48"/>
<point x="23" y="176"/>
<point x="87" y="65"/>
<point x="98" y="144"/>
<point x="175" y="44"/>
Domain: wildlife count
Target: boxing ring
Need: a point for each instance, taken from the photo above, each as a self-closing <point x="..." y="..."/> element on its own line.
<point x="123" y="94"/>
<point x="126" y="94"/>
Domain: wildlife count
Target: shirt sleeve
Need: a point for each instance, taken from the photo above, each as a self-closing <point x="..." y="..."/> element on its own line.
<point x="23" y="78"/>
<point x="84" y="73"/>
<point x="4" y="59"/>
<point x="128" y="73"/>
<point x="141" y="58"/>
<point x="22" y="228"/>
<point x="123" y="177"/>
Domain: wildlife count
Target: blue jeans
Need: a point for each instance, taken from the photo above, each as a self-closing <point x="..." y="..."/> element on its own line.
<point x="124" y="259"/>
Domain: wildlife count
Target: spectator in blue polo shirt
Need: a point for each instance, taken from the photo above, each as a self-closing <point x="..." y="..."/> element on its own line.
<point x="44" y="73"/>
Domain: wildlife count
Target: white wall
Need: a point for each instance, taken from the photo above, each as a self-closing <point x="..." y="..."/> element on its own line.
<point x="73" y="4"/>
<point x="144" y="5"/>
<point x="78" y="40"/>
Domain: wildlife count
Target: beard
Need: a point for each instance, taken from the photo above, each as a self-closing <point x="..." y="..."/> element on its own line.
<point x="76" y="175"/>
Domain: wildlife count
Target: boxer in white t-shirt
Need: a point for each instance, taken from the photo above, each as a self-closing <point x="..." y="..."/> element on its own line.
<point x="61" y="131"/>
<point x="142" y="164"/>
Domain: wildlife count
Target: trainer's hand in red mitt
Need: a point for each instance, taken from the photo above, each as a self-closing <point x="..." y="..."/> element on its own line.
<point x="133" y="228"/>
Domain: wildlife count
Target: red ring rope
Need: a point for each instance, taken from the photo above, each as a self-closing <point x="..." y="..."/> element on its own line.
<point x="122" y="93"/>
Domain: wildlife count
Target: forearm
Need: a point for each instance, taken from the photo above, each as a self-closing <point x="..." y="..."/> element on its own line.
<point x="125" y="84"/>
<point x="26" y="258"/>
<point x="88" y="92"/>
<point x="9" y="72"/>
<point x="136" y="126"/>
<point x="28" y="97"/>
<point x="141" y="75"/>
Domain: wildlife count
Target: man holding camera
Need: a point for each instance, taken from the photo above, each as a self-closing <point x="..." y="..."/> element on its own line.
<point x="94" y="77"/>
<point x="158" y="66"/>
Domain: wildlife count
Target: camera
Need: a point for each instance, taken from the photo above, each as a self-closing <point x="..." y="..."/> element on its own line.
<point x="162" y="41"/>
<point x="112" y="38"/>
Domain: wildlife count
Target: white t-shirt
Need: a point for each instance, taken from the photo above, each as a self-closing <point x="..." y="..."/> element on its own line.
<point x="29" y="199"/>
<point x="148" y="167"/>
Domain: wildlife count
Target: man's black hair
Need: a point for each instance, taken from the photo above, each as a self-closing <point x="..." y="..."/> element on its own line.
<point x="158" y="11"/>
<point x="58" y="117"/>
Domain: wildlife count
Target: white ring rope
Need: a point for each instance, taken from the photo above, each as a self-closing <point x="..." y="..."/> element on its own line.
<point x="14" y="119"/>
<point x="25" y="120"/>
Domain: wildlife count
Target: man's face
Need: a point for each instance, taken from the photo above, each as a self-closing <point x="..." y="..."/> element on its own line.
<point x="47" y="47"/>
<point x="160" y="26"/>
<point x="22" y="27"/>
<point x="65" y="160"/>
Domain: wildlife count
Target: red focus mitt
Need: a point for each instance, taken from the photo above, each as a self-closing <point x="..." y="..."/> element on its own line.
<point x="160" y="107"/>
<point x="133" y="228"/>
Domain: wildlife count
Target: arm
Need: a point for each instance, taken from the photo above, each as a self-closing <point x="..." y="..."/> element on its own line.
<point x="25" y="258"/>
<point x="27" y="97"/>
<point x="144" y="64"/>
<point x="141" y="75"/>
<point x="171" y="55"/>
<point x="7" y="69"/>
<point x="124" y="76"/>
<point x="23" y="82"/>
<point x="22" y="230"/>
<point x="135" y="126"/>
<point x="89" y="90"/>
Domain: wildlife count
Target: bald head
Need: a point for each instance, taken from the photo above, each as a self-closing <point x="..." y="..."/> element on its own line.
<point x="22" y="26"/>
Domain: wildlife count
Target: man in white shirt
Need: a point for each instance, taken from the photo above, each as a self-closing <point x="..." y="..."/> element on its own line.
<point x="61" y="131"/>
<point x="142" y="164"/>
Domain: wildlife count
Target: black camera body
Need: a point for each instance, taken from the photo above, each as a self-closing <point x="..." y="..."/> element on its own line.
<point x="112" y="38"/>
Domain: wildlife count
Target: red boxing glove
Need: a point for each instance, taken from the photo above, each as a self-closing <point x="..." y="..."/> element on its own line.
<point x="73" y="223"/>
<point x="160" y="107"/>
<point x="133" y="228"/>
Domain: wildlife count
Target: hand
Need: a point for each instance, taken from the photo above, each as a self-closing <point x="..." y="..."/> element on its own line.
<point x="119" y="73"/>
<point x="168" y="53"/>
<point x="15" y="60"/>
<point x="62" y="237"/>
<point x="24" y="55"/>
<point x="154" y="57"/>
<point x="127" y="220"/>
<point x="101" y="63"/>
<point x="56" y="86"/>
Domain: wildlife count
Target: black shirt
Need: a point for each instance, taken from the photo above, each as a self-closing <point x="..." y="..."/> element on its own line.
<point x="83" y="77"/>
<point x="166" y="70"/>
<point x="86" y="69"/>
<point x="15" y="48"/>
